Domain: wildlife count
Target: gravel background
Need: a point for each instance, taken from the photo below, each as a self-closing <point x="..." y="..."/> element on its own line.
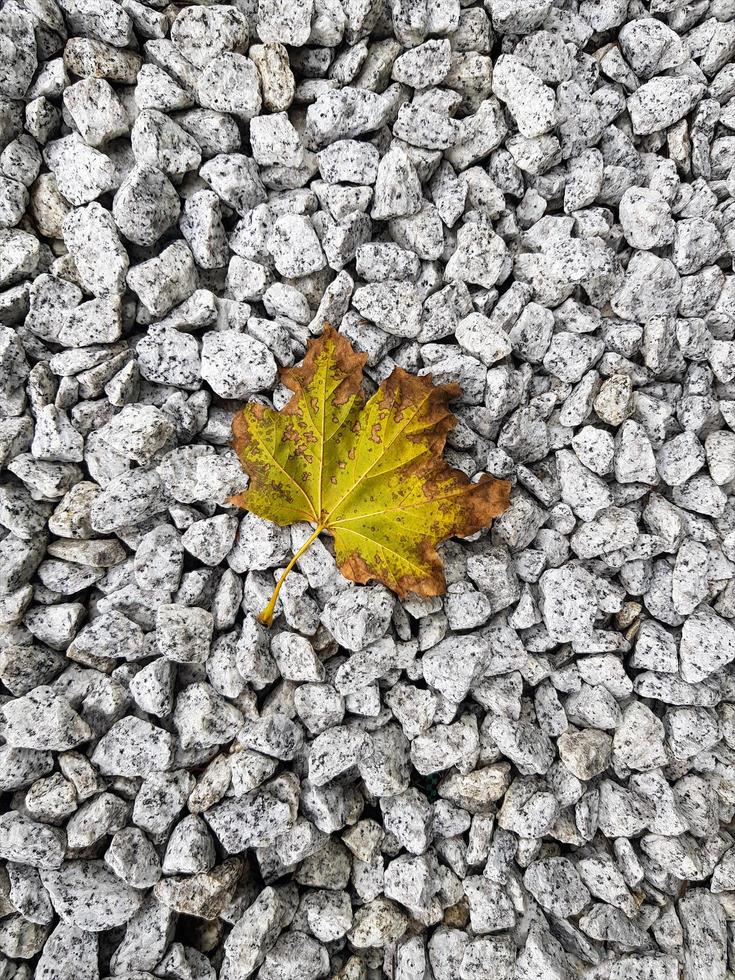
<point x="530" y="778"/>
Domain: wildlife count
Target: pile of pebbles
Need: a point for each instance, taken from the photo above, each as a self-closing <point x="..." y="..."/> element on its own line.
<point x="529" y="778"/>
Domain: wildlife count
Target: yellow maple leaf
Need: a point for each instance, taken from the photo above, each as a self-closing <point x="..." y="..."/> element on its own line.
<point x="372" y="474"/>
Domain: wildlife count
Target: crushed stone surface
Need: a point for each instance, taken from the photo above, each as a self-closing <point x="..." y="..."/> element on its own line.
<point x="529" y="778"/>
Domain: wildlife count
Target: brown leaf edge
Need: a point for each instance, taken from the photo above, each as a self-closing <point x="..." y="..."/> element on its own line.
<point x="347" y="360"/>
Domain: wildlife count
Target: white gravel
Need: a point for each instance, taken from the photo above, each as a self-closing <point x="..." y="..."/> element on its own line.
<point x="529" y="778"/>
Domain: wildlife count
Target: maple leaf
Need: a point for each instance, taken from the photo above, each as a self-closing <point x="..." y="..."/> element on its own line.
<point x="372" y="474"/>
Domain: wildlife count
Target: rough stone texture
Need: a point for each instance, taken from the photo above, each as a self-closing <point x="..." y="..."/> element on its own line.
<point x="528" y="778"/>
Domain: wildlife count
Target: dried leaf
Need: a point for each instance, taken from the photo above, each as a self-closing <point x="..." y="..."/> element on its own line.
<point x="371" y="473"/>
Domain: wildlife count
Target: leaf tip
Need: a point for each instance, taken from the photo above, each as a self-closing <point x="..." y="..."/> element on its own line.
<point x="484" y="500"/>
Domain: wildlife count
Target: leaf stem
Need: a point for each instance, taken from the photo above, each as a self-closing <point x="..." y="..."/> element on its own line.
<point x="266" y="615"/>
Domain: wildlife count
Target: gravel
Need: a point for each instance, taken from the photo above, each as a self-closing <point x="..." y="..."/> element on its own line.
<point x="529" y="778"/>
